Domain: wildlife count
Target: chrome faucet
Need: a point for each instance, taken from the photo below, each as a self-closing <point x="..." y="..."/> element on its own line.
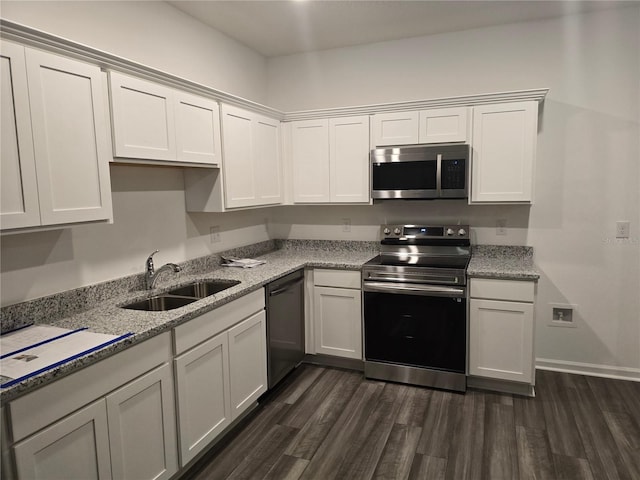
<point x="151" y="275"/>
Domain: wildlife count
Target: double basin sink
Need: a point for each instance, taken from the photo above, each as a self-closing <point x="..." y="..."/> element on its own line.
<point x="181" y="296"/>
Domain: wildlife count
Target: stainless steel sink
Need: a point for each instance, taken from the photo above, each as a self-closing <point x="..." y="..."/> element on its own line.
<point x="203" y="289"/>
<point x="181" y="296"/>
<point x="160" y="303"/>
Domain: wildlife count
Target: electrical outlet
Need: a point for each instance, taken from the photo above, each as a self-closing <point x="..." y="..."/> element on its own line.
<point x="562" y="315"/>
<point x="346" y="224"/>
<point x="214" y="234"/>
<point x="501" y="227"/>
<point x="622" y="229"/>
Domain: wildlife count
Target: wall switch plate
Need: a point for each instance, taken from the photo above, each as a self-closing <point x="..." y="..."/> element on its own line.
<point x="501" y="227"/>
<point x="214" y="234"/>
<point x="346" y="224"/>
<point x="622" y="229"/>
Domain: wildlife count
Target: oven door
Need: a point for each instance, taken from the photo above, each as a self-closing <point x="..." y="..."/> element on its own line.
<point x="416" y="325"/>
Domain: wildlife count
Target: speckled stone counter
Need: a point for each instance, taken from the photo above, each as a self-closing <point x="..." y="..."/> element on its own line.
<point x="102" y="314"/>
<point x="502" y="262"/>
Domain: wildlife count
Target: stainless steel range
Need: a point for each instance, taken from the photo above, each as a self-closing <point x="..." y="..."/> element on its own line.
<point x="415" y="306"/>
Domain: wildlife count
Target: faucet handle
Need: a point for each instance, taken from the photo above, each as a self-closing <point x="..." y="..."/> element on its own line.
<point x="150" y="261"/>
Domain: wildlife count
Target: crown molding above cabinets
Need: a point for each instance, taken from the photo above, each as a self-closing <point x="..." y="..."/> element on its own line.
<point x="37" y="38"/>
<point x="107" y="61"/>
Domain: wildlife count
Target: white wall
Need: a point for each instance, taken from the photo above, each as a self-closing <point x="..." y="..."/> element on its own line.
<point x="154" y="34"/>
<point x="588" y="174"/>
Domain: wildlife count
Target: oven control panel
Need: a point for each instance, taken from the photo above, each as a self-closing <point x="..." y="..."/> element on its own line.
<point x="425" y="231"/>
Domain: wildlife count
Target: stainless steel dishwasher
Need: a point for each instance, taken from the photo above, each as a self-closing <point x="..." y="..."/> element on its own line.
<point x="285" y="325"/>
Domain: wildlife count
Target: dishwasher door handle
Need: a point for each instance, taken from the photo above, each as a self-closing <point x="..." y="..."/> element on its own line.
<point x="285" y="287"/>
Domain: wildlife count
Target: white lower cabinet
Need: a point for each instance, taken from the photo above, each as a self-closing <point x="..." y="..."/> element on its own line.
<point x="202" y="382"/>
<point x="221" y="370"/>
<point x="337" y="313"/>
<point x="501" y="330"/>
<point x="75" y="447"/>
<point x="142" y="427"/>
<point x="127" y="431"/>
<point x="247" y="362"/>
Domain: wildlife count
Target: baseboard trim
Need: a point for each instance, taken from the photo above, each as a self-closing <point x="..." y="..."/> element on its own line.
<point x="591" y="369"/>
<point x="502" y="386"/>
<point x="331" y="361"/>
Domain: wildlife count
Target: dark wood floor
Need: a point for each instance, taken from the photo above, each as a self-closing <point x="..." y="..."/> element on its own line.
<point x="325" y="423"/>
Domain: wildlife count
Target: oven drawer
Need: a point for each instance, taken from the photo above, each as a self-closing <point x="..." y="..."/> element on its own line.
<point x="496" y="289"/>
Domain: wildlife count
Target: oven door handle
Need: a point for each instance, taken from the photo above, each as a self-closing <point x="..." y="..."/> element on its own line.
<point x="413" y="289"/>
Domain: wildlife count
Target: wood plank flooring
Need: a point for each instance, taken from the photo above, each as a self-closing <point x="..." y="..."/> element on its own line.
<point x="324" y="423"/>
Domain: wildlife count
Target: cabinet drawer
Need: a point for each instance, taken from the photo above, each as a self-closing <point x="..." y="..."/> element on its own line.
<point x="337" y="278"/>
<point x="58" y="399"/>
<point x="211" y="323"/>
<point x="512" y="290"/>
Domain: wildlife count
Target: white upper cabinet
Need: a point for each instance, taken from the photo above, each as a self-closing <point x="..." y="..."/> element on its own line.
<point x="330" y="160"/>
<point x="267" y="160"/>
<point x="349" y="159"/>
<point x="397" y="128"/>
<point x="197" y="129"/>
<point x="444" y="125"/>
<point x="504" y="149"/>
<point x="19" y="206"/>
<point x="310" y="157"/>
<point x="60" y="133"/>
<point x="252" y="167"/>
<point x="437" y="125"/>
<point x="152" y="122"/>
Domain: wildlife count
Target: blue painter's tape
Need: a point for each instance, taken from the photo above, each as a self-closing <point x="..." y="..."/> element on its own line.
<point x="66" y="360"/>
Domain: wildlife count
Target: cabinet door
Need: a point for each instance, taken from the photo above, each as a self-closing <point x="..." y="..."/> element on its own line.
<point x="504" y="149"/>
<point x="441" y="125"/>
<point x="69" y="138"/>
<point x="310" y="156"/>
<point x="237" y="132"/>
<point x="337" y="321"/>
<point x="143" y="119"/>
<point x="75" y="447"/>
<point x="142" y="427"/>
<point x="349" y="159"/>
<point x="397" y="128"/>
<point x="197" y="129"/>
<point x="18" y="188"/>
<point x="501" y="340"/>
<point x="266" y="160"/>
<point x="202" y="381"/>
<point x="248" y="362"/>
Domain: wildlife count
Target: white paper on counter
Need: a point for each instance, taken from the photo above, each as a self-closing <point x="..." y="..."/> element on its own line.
<point x="49" y="354"/>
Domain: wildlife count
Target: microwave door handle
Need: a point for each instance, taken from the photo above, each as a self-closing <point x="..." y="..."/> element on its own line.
<point x="439" y="173"/>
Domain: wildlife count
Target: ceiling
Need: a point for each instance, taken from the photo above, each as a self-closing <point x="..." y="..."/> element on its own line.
<point x="284" y="27"/>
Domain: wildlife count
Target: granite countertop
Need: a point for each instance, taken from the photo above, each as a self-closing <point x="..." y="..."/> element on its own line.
<point x="107" y="317"/>
<point x="103" y="314"/>
<point x="502" y="262"/>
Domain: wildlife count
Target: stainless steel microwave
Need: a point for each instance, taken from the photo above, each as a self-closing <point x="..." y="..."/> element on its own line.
<point x="420" y="171"/>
